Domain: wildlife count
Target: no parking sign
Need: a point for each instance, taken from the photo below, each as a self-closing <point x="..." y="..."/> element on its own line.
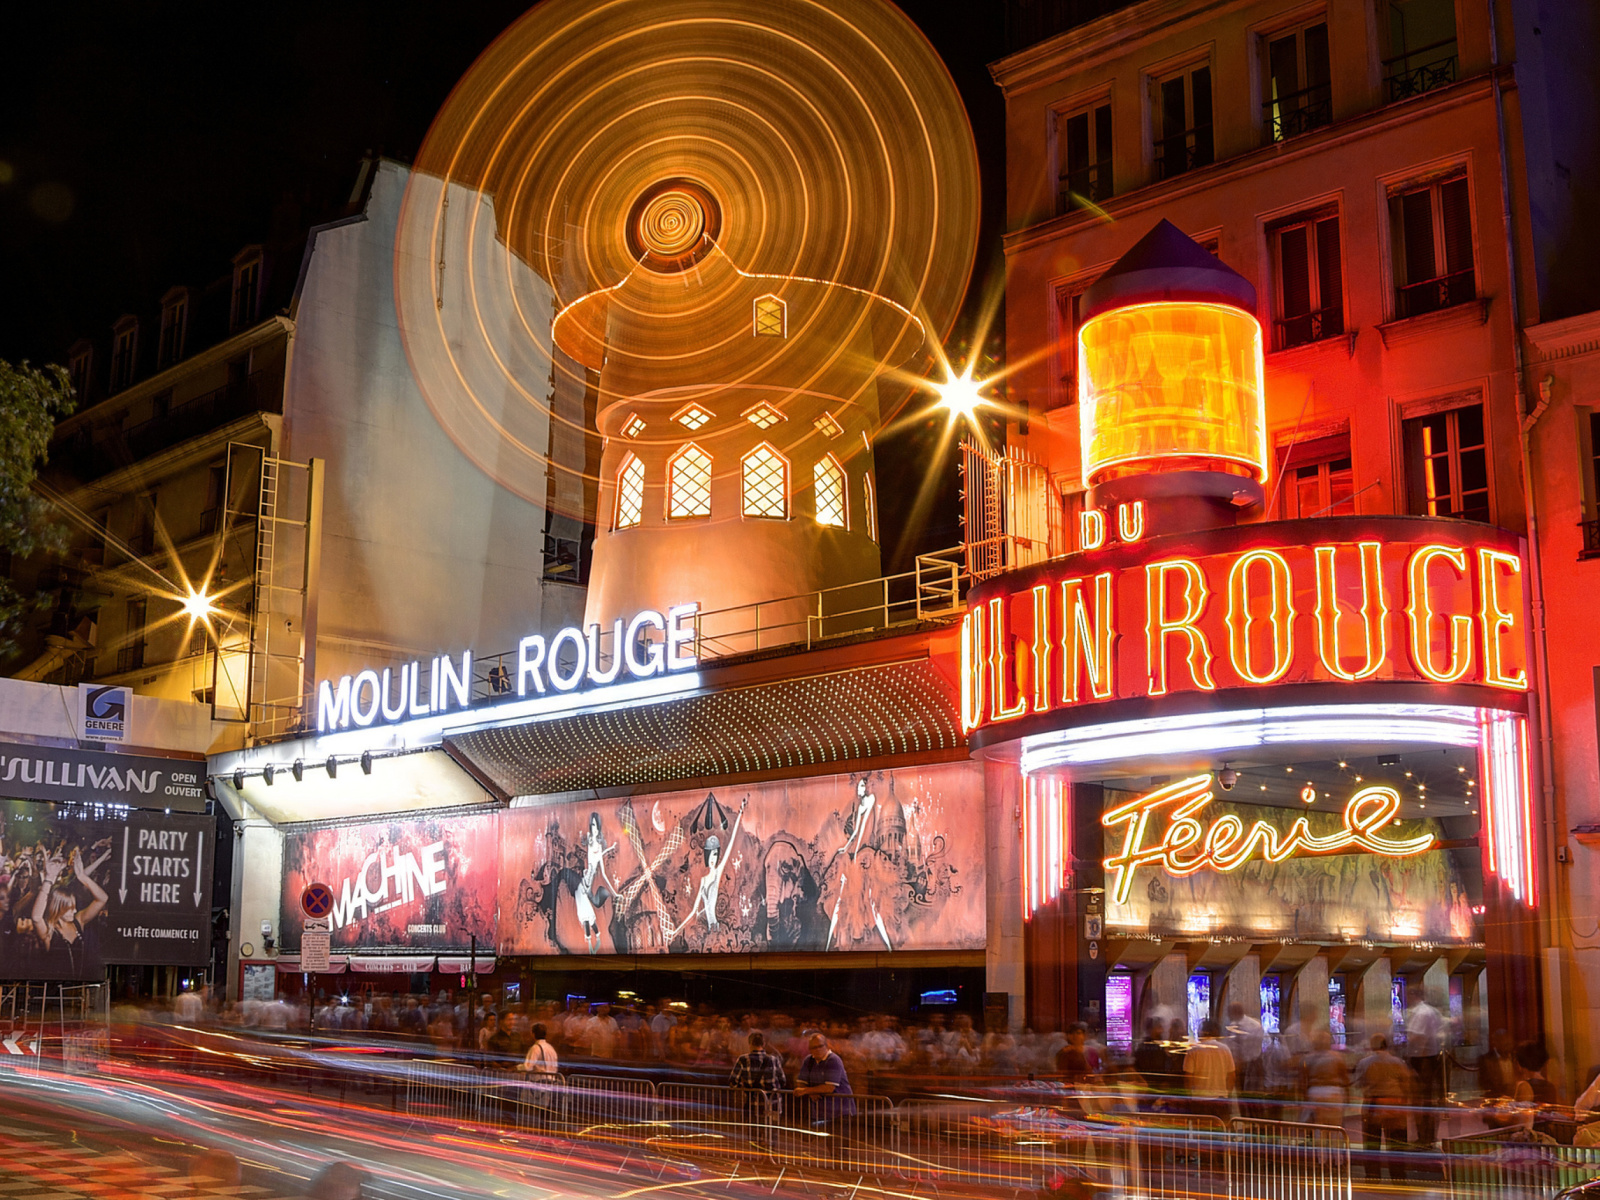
<point x="316" y="900"/>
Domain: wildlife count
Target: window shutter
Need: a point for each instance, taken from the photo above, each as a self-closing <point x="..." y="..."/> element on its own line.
<point x="1456" y="213"/>
<point x="1077" y="139"/>
<point x="1102" y="146"/>
<point x="1330" y="287"/>
<point x="1294" y="265"/>
<point x="1416" y="222"/>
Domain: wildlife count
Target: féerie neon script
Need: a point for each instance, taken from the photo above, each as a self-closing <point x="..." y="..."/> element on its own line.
<point x="1188" y="846"/>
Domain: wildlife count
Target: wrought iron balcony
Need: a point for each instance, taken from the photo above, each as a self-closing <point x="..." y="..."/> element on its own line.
<point x="1430" y="295"/>
<point x="1091" y="184"/>
<point x="1309" y="327"/>
<point x="1186" y="151"/>
<point x="1591" y="539"/>
<point x="1405" y="80"/>
<point x="1298" y="112"/>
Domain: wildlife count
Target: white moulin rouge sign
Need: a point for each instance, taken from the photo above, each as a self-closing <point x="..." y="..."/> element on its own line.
<point x="643" y="647"/>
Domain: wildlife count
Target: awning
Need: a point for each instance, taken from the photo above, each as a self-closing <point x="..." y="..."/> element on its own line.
<point x="460" y="966"/>
<point x="392" y="964"/>
<point x="290" y="964"/>
<point x="862" y="713"/>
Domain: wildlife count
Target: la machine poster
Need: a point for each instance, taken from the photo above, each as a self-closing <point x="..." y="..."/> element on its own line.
<point x="419" y="883"/>
<point x="881" y="861"/>
<point x="86" y="886"/>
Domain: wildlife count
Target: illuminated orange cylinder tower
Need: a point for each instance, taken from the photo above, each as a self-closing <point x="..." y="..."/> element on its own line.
<point x="1171" y="403"/>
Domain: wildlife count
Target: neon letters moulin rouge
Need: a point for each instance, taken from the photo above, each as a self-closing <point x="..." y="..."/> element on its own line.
<point x="1348" y="601"/>
<point x="1226" y="845"/>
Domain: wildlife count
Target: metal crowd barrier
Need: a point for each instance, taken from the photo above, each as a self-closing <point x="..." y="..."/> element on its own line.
<point x="1171" y="1156"/>
<point x="1287" y="1160"/>
<point x="1500" y="1168"/>
<point x="989" y="1144"/>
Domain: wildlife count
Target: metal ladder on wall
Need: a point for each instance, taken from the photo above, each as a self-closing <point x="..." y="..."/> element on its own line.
<point x="284" y="505"/>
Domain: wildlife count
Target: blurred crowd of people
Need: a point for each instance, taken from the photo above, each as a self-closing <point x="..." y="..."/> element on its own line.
<point x="1394" y="1087"/>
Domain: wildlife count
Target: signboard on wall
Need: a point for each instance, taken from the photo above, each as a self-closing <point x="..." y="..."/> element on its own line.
<point x="1337" y="601"/>
<point x="881" y="861"/>
<point x="1427" y="894"/>
<point x="424" y="883"/>
<point x="84" y="887"/>
<point x="93" y="776"/>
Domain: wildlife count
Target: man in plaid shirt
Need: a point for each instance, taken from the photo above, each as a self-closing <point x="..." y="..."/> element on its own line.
<point x="758" y="1076"/>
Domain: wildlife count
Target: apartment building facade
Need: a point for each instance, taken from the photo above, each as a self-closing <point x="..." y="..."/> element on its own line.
<point x="263" y="441"/>
<point x="1366" y="168"/>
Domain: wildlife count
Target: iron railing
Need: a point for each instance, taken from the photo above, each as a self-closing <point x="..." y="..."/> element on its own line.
<point x="1091" y="183"/>
<point x="1298" y="112"/>
<point x="1186" y="151"/>
<point x="1404" y="80"/>
<point x="1431" y="295"/>
<point x="1309" y="327"/>
<point x="1591" y="539"/>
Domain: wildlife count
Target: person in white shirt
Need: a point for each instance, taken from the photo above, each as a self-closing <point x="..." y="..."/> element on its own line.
<point x="541" y="1058"/>
<point x="602" y="1033"/>
<point x="1425" y="1052"/>
<point x="188" y="1007"/>
<point x="1245" y="1038"/>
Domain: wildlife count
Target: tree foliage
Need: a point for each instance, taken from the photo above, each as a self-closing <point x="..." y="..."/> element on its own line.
<point x="31" y="402"/>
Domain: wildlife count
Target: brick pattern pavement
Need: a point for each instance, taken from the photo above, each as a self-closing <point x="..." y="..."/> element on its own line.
<point x="40" y="1166"/>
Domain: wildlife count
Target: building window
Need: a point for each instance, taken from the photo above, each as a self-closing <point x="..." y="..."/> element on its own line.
<point x="633" y="426"/>
<point x="766" y="483"/>
<point x="630" y="493"/>
<point x="1295" y="73"/>
<point x="80" y="366"/>
<point x="1180" y="107"/>
<point x="828" y="426"/>
<point x="1316" y="479"/>
<point x="689" y="483"/>
<point x="1430" y="230"/>
<point x="1447" y="464"/>
<point x="174" y="323"/>
<point x="143" y="541"/>
<point x="1591" y="527"/>
<point x="693" y="417"/>
<point x="246" y="289"/>
<point x="1083" y="157"/>
<point x="1308" y="287"/>
<point x="124" y="352"/>
<point x="771" y="317"/>
<point x="130" y="656"/>
<point x="1422" y="47"/>
<point x="870" y="503"/>
<point x="828" y="477"/>
<point x="216" y="493"/>
<point x="763" y="415"/>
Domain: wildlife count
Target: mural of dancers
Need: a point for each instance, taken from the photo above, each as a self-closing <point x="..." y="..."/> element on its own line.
<point x="882" y="862"/>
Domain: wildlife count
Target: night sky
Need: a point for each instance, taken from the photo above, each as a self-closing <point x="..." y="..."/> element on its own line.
<point x="142" y="145"/>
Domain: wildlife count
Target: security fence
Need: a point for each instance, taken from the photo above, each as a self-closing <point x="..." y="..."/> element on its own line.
<point x="999" y="1145"/>
<point x="1515" y="1166"/>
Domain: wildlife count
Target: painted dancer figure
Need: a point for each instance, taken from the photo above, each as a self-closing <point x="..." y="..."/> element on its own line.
<point x="588" y="897"/>
<point x="855" y="828"/>
<point x="705" y="899"/>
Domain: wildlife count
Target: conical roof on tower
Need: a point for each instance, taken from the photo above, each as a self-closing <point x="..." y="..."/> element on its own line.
<point x="1167" y="264"/>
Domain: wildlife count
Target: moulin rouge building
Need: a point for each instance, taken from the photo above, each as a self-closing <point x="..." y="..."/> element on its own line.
<point x="1162" y="757"/>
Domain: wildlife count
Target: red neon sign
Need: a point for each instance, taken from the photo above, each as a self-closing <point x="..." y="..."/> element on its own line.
<point x="1346" y="601"/>
<point x="1226" y="844"/>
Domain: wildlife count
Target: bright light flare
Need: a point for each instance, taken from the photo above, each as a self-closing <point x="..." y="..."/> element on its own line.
<point x="198" y="605"/>
<point x="960" y="395"/>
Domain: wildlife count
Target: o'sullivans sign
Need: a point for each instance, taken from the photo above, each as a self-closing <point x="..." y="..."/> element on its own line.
<point x="1344" y="601"/>
<point x="647" y="645"/>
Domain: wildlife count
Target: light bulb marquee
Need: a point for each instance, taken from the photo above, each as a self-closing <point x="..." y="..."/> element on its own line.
<point x="1344" y="601"/>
